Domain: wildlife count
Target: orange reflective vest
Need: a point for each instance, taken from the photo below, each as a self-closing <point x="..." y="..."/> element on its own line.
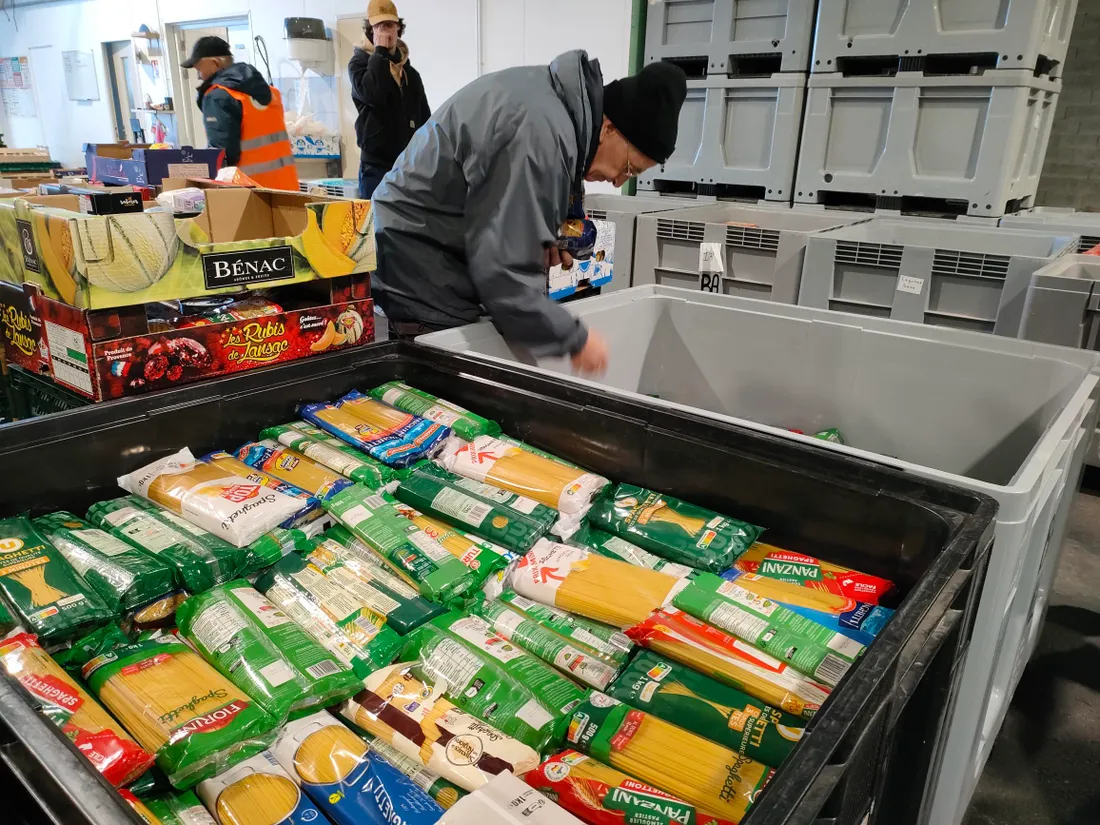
<point x="266" y="156"/>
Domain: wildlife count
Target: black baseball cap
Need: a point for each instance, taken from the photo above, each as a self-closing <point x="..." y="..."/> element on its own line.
<point x="208" y="46"/>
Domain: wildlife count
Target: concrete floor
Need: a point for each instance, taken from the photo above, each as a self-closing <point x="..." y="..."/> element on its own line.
<point x="1045" y="765"/>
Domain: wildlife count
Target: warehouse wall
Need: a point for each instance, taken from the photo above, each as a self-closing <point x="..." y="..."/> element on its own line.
<point x="1071" y="173"/>
<point x="448" y="46"/>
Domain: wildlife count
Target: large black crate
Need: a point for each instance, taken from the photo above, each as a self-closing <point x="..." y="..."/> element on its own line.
<point x="871" y="746"/>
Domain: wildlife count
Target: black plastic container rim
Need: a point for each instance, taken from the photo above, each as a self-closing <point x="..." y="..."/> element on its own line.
<point x="970" y="517"/>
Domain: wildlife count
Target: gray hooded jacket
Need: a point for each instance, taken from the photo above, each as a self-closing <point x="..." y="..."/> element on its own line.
<point x="463" y="219"/>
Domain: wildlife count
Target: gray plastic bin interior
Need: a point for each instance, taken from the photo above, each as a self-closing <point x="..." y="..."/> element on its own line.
<point x="1063" y="303"/>
<point x="1008" y="418"/>
<point x="940" y="273"/>
<point x="760" y="260"/>
<point x="1064" y="221"/>
<point x="621" y="211"/>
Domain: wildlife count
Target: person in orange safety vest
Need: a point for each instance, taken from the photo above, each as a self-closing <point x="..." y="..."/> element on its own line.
<point x="243" y="115"/>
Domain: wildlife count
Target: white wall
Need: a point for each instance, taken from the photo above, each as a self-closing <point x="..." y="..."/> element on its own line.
<point x="443" y="37"/>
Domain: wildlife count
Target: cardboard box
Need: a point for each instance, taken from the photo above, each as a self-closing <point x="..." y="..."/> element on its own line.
<point x="253" y="238"/>
<point x="98" y="200"/>
<point x="21" y="332"/>
<point x="105" y="354"/>
<point x="305" y="146"/>
<point x="142" y="166"/>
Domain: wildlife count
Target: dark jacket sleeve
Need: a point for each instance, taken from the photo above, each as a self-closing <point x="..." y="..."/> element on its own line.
<point x="510" y="222"/>
<point x="368" y="73"/>
<point x="221" y="115"/>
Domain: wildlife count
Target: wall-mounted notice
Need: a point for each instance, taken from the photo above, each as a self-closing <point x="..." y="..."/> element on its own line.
<point x="15" y="87"/>
<point x="80" y="79"/>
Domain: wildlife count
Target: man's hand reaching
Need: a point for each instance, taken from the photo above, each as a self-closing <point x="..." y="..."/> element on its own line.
<point x="592" y="359"/>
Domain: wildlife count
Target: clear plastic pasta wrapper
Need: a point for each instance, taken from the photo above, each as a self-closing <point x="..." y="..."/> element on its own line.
<point x="673" y="529"/>
<point x="507" y="800"/>
<point x="395" y="438"/>
<point x="311" y="509"/>
<point x="708" y="708"/>
<point x="102" y="740"/>
<point x="258" y="790"/>
<point x="567" y="489"/>
<point x="374" y="519"/>
<point x="857" y="620"/>
<point x="292" y="467"/>
<point x="126" y="578"/>
<point x="812" y="573"/>
<point x="422" y="724"/>
<point x="331" y="452"/>
<point x="194" y="720"/>
<point x="509" y="519"/>
<point x="444" y="792"/>
<point x="615" y="547"/>
<point x="464" y="423"/>
<point x="179" y="809"/>
<point x="152" y="784"/>
<point x="601" y="795"/>
<point x="139" y="808"/>
<point x="7" y="620"/>
<point x="485" y="674"/>
<point x="236" y="509"/>
<point x="591" y="585"/>
<point x="584" y="666"/>
<point x="335" y="617"/>
<point x="602" y="640"/>
<point x="351" y="565"/>
<point x="747" y="610"/>
<point x="348" y="781"/>
<point x="45" y="593"/>
<point x="74" y="654"/>
<point x="715" y="779"/>
<point x="712" y="652"/>
<point x="263" y="651"/>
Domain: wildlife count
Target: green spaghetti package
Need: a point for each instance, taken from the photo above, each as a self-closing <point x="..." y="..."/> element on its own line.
<point x="353" y="567"/>
<point x="490" y="677"/>
<point x="335" y="617"/>
<point x="7" y="620"/>
<point x="374" y="519"/>
<point x="72" y="656"/>
<point x="618" y="548"/>
<point x="43" y="591"/>
<point x="263" y="651"/>
<point x="584" y="666"/>
<point x="466" y="425"/>
<point x="333" y="453"/>
<point x="178" y="809"/>
<point x="125" y="577"/>
<point x="704" y="706"/>
<point x="511" y="520"/>
<point x="742" y="607"/>
<point x="602" y="640"/>
<point x="673" y="529"/>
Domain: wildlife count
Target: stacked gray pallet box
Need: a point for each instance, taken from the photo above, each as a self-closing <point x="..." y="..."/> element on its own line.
<point x="930" y="271"/>
<point x="1012" y="419"/>
<point x="945" y="105"/>
<point x="746" y="62"/>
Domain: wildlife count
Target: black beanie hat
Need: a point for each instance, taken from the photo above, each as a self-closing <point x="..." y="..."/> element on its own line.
<point x="646" y="107"/>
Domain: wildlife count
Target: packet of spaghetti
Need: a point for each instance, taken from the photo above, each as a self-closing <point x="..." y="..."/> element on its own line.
<point x="674" y="529"/>
<point x="443" y="792"/>
<point x="178" y="809"/>
<point x="292" y="467"/>
<point x="311" y="509"/>
<point x="386" y="434"/>
<point x="258" y="789"/>
<point x="617" y="548"/>
<point x="602" y="640"/>
<point x="465" y="424"/>
<point x="331" y="452"/>
<point x="816" y="574"/>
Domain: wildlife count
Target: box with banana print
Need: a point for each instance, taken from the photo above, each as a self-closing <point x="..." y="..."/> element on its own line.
<point x="243" y="239"/>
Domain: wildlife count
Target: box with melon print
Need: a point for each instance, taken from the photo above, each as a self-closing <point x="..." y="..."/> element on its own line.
<point x="243" y="239"/>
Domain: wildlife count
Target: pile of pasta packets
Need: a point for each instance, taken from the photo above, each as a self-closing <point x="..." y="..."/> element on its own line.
<point x="388" y="610"/>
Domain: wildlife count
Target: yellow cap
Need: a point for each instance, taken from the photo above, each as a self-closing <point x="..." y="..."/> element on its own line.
<point x="379" y="11"/>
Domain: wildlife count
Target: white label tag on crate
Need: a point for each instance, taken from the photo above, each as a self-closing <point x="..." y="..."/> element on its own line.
<point x="710" y="257"/>
<point x="911" y="283"/>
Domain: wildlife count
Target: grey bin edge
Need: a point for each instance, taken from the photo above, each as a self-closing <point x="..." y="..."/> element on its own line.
<point x="1061" y="306"/>
<point x="928" y="383"/>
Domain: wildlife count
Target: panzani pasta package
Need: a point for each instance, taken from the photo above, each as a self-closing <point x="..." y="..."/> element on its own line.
<point x="673" y="529"/>
<point x="258" y="790"/>
<point x="331" y="452"/>
<point x="43" y="590"/>
<point x="236" y="509"/>
<point x="465" y="424"/>
<point x="618" y="548"/>
<point x="815" y="574"/>
<point x="706" y="707"/>
<point x="195" y="721"/>
<point x="292" y="467"/>
<point x="263" y="651"/>
<point x="104" y="742"/>
<point x="418" y="721"/>
<point x="501" y="516"/>
<point x="443" y="792"/>
<point x="348" y="781"/>
<point x="716" y="780"/>
<point x="485" y="674"/>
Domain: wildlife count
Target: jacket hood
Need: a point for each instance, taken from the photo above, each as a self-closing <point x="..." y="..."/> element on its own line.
<point x="244" y="78"/>
<point x="579" y="83"/>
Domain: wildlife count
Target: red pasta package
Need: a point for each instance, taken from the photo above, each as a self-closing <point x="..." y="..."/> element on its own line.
<point x="798" y="568"/>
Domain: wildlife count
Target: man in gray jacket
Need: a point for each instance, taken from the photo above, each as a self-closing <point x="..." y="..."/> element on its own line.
<point x="469" y="216"/>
